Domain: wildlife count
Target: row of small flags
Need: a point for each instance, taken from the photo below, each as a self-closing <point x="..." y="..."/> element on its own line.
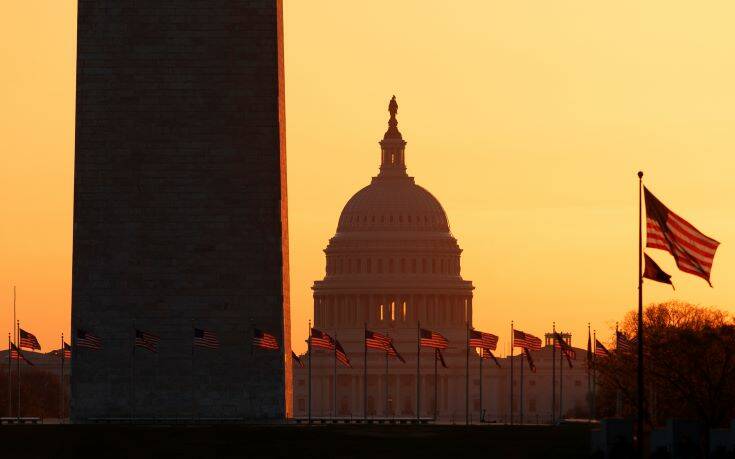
<point x="486" y="342"/>
<point x="143" y="339"/>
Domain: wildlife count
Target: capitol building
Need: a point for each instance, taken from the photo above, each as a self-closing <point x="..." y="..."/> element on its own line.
<point x="394" y="264"/>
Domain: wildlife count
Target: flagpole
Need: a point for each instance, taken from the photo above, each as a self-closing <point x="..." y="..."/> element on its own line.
<point x="193" y="334"/>
<point x="589" y="373"/>
<point x="511" y="372"/>
<point x="553" y="373"/>
<point x="386" y="380"/>
<point x="61" y="385"/>
<point x="436" y="392"/>
<point x="467" y="374"/>
<point x="10" y="380"/>
<point x="309" y="351"/>
<point x="561" y="381"/>
<point x="418" y="370"/>
<point x="17" y="343"/>
<point x="594" y="377"/>
<point x="132" y="379"/>
<point x="482" y="354"/>
<point x="520" y="407"/>
<point x="641" y="414"/>
<point x="334" y="382"/>
<point x="364" y="371"/>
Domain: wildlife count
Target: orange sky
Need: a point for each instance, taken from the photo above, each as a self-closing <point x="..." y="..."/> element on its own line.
<point x="528" y="120"/>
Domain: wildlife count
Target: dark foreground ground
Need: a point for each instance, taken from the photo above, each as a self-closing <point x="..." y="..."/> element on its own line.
<point x="231" y="441"/>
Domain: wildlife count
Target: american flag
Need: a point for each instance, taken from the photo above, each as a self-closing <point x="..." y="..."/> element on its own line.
<point x="374" y="340"/>
<point x="623" y="344"/>
<point x="566" y="349"/>
<point x="321" y="340"/>
<point x="693" y="251"/>
<point x="297" y="359"/>
<point x="88" y="340"/>
<point x="146" y="340"/>
<point x="440" y="357"/>
<point x="433" y="339"/>
<point x="488" y="354"/>
<point x="67" y="351"/>
<point x="531" y="365"/>
<point x="341" y="355"/>
<point x="28" y="340"/>
<point x="16" y="354"/>
<point x="264" y="340"/>
<point x="393" y="352"/>
<point x="483" y="340"/>
<point x="526" y="340"/>
<point x="205" y="338"/>
<point x="600" y="350"/>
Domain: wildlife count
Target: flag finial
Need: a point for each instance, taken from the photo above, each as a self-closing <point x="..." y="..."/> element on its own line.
<point x="640" y="174"/>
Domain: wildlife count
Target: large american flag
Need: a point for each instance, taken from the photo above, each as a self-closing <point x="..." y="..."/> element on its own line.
<point x="433" y="339"/>
<point x="488" y="354"/>
<point x="28" y="340"/>
<point x="341" y="355"/>
<point x="146" y="340"/>
<point x="693" y="251"/>
<point x="483" y="340"/>
<point x="264" y="340"/>
<point x="375" y="340"/>
<point x="16" y="354"/>
<point x="600" y="350"/>
<point x="205" y="338"/>
<point x="526" y="340"/>
<point x="623" y="343"/>
<point x="88" y="340"/>
<point x="321" y="340"/>
<point x="393" y="352"/>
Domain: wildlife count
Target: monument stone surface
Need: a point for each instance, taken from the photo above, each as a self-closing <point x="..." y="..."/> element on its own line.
<point x="180" y="216"/>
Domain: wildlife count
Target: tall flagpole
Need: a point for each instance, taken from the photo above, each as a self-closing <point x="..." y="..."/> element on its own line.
<point x="61" y="385"/>
<point x="511" y="372"/>
<point x="436" y="392"/>
<point x="132" y="378"/>
<point x="520" y="407"/>
<point x="364" y="372"/>
<point x="641" y="413"/>
<point x="334" y="382"/>
<point x="386" y="380"/>
<point x="594" y="377"/>
<point x="10" y="380"/>
<point x="17" y="343"/>
<point x="418" y="370"/>
<point x="482" y="354"/>
<point x="310" y="355"/>
<point x="467" y="374"/>
<point x="589" y="372"/>
<point x="561" y="381"/>
<point x="553" y="373"/>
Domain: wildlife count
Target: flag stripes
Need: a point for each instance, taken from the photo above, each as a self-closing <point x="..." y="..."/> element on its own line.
<point x="433" y="339"/>
<point x="483" y="340"/>
<point x="374" y="340"/>
<point x="16" y="354"/>
<point x="341" y="355"/>
<point x="600" y="350"/>
<point x="693" y="251"/>
<point x="67" y="351"/>
<point x="28" y="340"/>
<point x="526" y="340"/>
<point x="146" y="340"/>
<point x="205" y="338"/>
<point x="88" y="340"/>
<point x="264" y="340"/>
<point x="623" y="343"/>
<point x="321" y="340"/>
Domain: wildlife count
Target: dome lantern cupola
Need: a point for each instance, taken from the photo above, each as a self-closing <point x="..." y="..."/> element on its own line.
<point x="392" y="146"/>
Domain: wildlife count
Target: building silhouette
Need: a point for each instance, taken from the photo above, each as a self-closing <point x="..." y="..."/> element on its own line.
<point x="394" y="264"/>
<point x="180" y="216"/>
